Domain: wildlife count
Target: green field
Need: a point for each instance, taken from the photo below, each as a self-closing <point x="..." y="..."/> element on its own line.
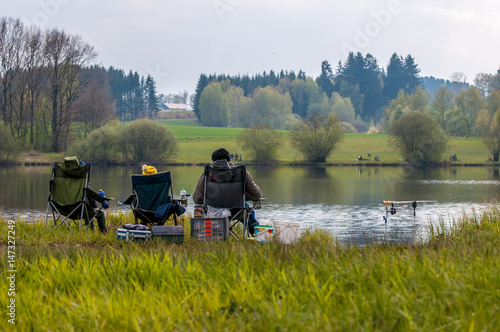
<point x="83" y="281"/>
<point x="197" y="143"/>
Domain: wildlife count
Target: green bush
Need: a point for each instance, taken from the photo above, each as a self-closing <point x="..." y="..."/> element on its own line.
<point x="100" y="146"/>
<point x="418" y="137"/>
<point x="316" y="137"/>
<point x="261" y="142"/>
<point x="9" y="148"/>
<point x="147" y="141"/>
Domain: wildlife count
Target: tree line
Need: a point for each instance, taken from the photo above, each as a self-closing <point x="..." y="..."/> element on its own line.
<point x="359" y="78"/>
<point x="358" y="92"/>
<point x="51" y="91"/>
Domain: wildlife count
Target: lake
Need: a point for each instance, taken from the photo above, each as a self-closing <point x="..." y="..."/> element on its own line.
<point x="345" y="200"/>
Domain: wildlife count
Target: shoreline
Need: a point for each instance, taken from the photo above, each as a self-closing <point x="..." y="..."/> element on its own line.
<point x="286" y="164"/>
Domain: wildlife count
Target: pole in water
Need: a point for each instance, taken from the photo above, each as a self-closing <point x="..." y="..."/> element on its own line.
<point x="414" y="205"/>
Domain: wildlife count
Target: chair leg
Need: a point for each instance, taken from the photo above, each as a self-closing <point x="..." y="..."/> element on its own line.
<point x="241" y="216"/>
<point x="245" y="225"/>
<point x="63" y="222"/>
<point x="233" y="232"/>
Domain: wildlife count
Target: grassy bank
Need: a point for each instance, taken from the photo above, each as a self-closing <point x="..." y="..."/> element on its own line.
<point x="85" y="281"/>
<point x="468" y="150"/>
<point x="196" y="143"/>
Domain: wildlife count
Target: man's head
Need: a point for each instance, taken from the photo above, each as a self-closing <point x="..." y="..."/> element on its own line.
<point x="220" y="154"/>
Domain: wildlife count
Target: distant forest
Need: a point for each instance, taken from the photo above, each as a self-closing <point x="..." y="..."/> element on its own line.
<point x="364" y="88"/>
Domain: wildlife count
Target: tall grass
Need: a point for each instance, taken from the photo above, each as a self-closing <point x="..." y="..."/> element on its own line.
<point x="85" y="281"/>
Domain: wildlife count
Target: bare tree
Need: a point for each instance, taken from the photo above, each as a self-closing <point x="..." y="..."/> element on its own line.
<point x="34" y="67"/>
<point x="95" y="107"/>
<point x="66" y="56"/>
<point x="458" y="81"/>
<point x="11" y="32"/>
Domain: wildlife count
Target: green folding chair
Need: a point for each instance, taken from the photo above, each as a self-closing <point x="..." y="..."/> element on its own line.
<point x="68" y="201"/>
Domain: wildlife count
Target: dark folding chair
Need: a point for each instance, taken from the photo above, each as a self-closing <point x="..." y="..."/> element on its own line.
<point x="152" y="200"/>
<point x="69" y="194"/>
<point x="225" y="188"/>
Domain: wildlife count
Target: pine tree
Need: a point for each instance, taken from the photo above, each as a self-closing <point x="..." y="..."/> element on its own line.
<point x="412" y="75"/>
<point x="325" y="79"/>
<point x="151" y="97"/>
<point x="365" y="72"/>
<point x="395" y="78"/>
<point x="202" y="83"/>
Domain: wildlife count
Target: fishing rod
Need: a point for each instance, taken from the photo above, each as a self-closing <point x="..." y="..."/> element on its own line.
<point x="393" y="210"/>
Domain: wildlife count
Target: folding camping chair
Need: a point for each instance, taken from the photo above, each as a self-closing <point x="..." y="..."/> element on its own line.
<point x="69" y="194"/>
<point x="152" y="199"/>
<point x="225" y="188"/>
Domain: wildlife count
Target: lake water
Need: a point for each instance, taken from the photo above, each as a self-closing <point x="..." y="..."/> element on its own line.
<point x="343" y="200"/>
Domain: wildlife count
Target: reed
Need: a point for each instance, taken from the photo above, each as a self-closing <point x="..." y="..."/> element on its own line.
<point x="82" y="280"/>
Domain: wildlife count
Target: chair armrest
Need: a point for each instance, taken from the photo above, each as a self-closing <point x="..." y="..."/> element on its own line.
<point x="95" y="196"/>
<point x="257" y="203"/>
<point x="128" y="200"/>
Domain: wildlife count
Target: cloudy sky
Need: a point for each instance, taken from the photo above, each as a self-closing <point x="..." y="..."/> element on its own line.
<point x="176" y="41"/>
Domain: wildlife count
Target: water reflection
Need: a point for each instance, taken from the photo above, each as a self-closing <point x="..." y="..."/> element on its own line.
<point x="343" y="200"/>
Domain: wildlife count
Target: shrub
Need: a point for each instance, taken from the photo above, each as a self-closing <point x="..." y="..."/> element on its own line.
<point x="373" y="130"/>
<point x="261" y="142"/>
<point x="360" y="126"/>
<point x="9" y="148"/>
<point x="317" y="137"/>
<point x="492" y="139"/>
<point x="100" y="146"/>
<point x="147" y="141"/>
<point x="348" y="128"/>
<point x="418" y="137"/>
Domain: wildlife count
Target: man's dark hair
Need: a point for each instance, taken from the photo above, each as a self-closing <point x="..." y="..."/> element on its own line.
<point x="220" y="154"/>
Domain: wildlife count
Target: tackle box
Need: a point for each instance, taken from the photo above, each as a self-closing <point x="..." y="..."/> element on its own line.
<point x="133" y="234"/>
<point x="210" y="229"/>
<point x="173" y="234"/>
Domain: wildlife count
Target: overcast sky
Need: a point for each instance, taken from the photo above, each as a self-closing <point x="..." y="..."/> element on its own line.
<point x="176" y="41"/>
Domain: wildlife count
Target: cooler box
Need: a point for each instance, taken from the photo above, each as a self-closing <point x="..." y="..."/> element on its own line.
<point x="287" y="232"/>
<point x="133" y="234"/>
<point x="263" y="233"/>
<point x="174" y="234"/>
<point x="210" y="229"/>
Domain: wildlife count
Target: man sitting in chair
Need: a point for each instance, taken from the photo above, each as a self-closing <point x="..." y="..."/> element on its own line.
<point x="221" y="159"/>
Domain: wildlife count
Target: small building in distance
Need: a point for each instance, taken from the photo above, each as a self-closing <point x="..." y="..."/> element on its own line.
<point x="176" y="107"/>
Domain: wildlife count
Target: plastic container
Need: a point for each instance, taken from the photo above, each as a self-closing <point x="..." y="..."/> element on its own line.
<point x="265" y="222"/>
<point x="287" y="232"/>
<point x="133" y="234"/>
<point x="183" y="197"/>
<point x="210" y="229"/>
<point x="263" y="233"/>
<point x="173" y="234"/>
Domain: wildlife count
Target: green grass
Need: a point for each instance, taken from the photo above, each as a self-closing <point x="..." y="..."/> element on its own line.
<point x="197" y="143"/>
<point x="181" y="122"/>
<point x="85" y="281"/>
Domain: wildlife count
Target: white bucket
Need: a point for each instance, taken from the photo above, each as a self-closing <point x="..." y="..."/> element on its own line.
<point x="265" y="222"/>
<point x="286" y="232"/>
